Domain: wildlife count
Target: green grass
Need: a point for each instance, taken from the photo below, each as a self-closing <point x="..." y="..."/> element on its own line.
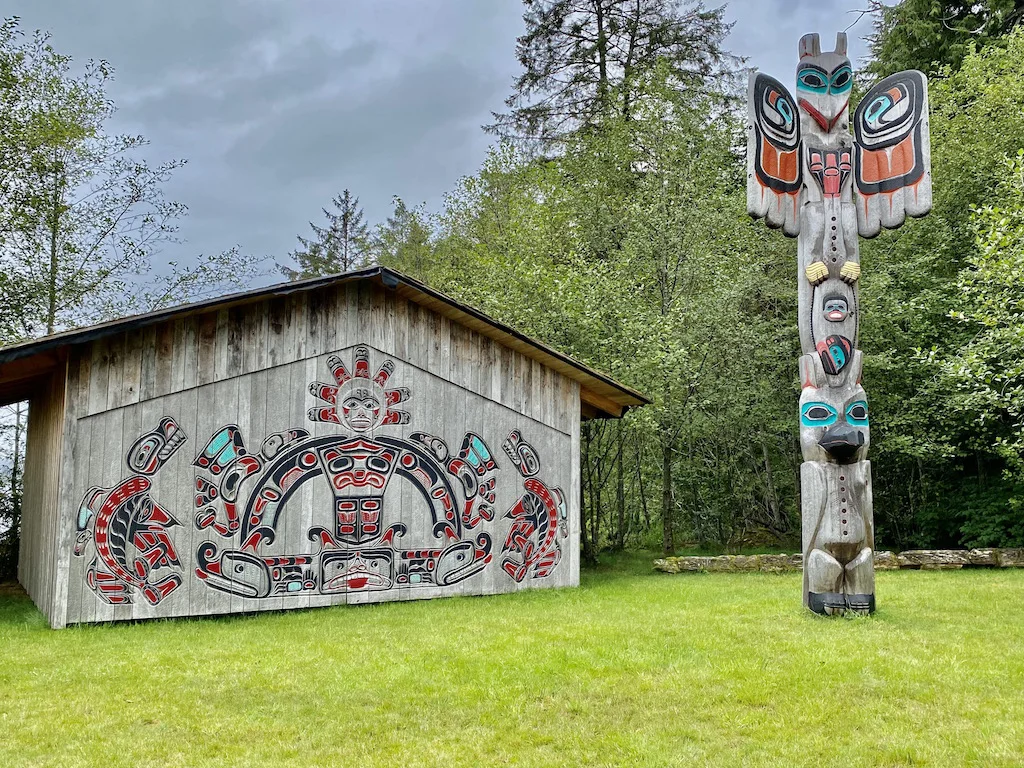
<point x="633" y="668"/>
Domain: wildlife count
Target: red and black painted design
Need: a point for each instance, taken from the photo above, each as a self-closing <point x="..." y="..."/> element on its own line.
<point x="129" y="530"/>
<point x="532" y="546"/>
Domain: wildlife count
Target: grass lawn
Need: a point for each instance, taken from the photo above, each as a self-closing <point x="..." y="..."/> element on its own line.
<point x="633" y="668"/>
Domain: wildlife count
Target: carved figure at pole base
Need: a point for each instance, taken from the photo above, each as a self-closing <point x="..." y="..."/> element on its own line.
<point x="807" y="175"/>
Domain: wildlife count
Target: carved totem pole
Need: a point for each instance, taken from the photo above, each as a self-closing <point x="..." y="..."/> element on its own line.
<point x="808" y="176"/>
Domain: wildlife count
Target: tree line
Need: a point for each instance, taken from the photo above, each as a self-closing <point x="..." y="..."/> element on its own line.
<point x="609" y="220"/>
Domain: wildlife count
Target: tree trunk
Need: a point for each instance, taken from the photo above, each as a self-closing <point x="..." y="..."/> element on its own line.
<point x="620" y="491"/>
<point x="51" y="289"/>
<point x="667" y="543"/>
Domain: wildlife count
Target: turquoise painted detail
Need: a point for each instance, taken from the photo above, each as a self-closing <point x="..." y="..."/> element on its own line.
<point x="811" y="80"/>
<point x="294" y="586"/>
<point x="857" y="413"/>
<point x="818" y="415"/>
<point x="841" y="80"/>
<point x="219" y="441"/>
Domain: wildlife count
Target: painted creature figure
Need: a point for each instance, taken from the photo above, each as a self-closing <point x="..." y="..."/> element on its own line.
<point x="807" y="175"/>
<point x="129" y="530"/>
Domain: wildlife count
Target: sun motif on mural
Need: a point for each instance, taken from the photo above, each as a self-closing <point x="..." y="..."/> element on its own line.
<point x="357" y="401"/>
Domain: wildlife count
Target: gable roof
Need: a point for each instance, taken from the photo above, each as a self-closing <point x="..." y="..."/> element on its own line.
<point x="22" y="365"/>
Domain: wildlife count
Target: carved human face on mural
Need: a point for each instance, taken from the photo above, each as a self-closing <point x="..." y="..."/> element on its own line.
<point x="360" y="409"/>
<point x="824" y="82"/>
<point x="835" y="308"/>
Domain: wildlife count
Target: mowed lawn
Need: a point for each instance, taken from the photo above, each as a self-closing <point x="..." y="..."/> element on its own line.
<point x="633" y="668"/>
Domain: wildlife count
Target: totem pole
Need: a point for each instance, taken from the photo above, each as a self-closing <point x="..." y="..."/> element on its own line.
<point x="808" y="176"/>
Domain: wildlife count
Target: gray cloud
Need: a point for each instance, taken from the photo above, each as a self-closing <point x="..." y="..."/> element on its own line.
<point x="279" y="105"/>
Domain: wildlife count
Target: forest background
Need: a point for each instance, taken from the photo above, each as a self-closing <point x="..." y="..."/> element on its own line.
<point x="609" y="221"/>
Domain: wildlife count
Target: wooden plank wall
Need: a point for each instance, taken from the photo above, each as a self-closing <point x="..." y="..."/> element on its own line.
<point x="40" y="522"/>
<point x="252" y="366"/>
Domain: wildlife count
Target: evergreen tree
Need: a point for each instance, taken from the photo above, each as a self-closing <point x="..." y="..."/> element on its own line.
<point x="584" y="61"/>
<point x="930" y="34"/>
<point x="342" y="245"/>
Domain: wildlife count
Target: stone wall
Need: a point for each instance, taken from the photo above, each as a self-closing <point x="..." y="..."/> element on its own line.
<point x="916" y="559"/>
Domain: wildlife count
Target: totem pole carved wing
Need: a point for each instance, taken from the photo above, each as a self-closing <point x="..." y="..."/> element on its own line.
<point x="892" y="153"/>
<point x="774" y="155"/>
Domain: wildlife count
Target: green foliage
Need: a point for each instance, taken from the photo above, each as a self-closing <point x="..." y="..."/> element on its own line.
<point x="930" y="34"/>
<point x="928" y="436"/>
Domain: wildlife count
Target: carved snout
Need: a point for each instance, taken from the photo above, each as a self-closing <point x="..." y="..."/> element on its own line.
<point x="841" y="442"/>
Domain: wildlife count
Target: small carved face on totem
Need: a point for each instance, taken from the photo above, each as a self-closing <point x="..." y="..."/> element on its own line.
<point x="360" y="409"/>
<point x="824" y="82"/>
<point x="835" y="308"/>
<point x="834" y="427"/>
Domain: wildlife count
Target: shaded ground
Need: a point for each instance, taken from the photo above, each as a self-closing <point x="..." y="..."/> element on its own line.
<point x="633" y="668"/>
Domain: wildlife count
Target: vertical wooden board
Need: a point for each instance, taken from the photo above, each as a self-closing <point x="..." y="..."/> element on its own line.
<point x="418" y="336"/>
<point x="115" y="370"/>
<point x="481" y="419"/>
<point x="504" y="385"/>
<point x="208" y="420"/>
<point x="184" y="407"/>
<point x="78" y="479"/>
<point x="279" y="417"/>
<point x="148" y="369"/>
<point x="298" y="318"/>
<point x="279" y="331"/>
<point x="439" y="352"/>
<point x="206" y="348"/>
<point x="261" y="340"/>
<point x="186" y="355"/>
<point x="99" y="375"/>
<point x="168" y="336"/>
<point x="382" y="321"/>
<point x="331" y="309"/>
<point x="80" y="598"/>
<point x="398" y="312"/>
<point x="222" y="351"/>
<point x="224" y="402"/>
<point x="249" y="319"/>
<point x="112" y="471"/>
<point x="300" y="507"/>
<point x="254" y="437"/>
<point x="131" y="428"/>
<point x="131" y="376"/>
<point x="72" y="449"/>
<point x="321" y="512"/>
<point x="352" y="329"/>
<point x="236" y="339"/>
<point x="487" y="365"/>
<point x="573" y="492"/>
<point x="315" y="306"/>
<point x="456" y="424"/>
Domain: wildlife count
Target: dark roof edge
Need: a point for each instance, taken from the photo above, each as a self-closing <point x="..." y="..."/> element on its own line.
<point x="389" y="277"/>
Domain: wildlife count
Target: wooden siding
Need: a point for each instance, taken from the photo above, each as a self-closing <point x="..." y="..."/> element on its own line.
<point x="251" y="366"/>
<point x="41" y="513"/>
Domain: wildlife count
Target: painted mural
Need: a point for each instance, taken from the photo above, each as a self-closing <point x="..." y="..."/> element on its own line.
<point x="397" y="508"/>
<point x="127" y="531"/>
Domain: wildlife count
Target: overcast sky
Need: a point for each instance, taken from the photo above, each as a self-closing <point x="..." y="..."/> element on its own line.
<point x="280" y="104"/>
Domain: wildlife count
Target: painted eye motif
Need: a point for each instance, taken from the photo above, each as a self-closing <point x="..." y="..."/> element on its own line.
<point x="877" y="108"/>
<point x="812" y="81"/>
<point x="783" y="108"/>
<point x="818" y="415"/>
<point x="857" y="413"/>
<point x="842" y="80"/>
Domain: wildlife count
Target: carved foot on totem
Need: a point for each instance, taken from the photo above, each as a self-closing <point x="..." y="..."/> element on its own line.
<point x="850" y="272"/>
<point x="816" y="272"/>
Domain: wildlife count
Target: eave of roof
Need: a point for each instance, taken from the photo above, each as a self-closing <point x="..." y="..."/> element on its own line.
<point x="600" y="394"/>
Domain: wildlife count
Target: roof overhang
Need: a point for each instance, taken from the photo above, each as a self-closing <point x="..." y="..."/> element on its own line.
<point x="24" y="365"/>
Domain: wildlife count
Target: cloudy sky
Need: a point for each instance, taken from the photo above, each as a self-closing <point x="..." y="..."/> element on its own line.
<point x="280" y="104"/>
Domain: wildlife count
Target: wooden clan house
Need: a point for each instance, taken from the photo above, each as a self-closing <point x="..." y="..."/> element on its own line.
<point x="348" y="439"/>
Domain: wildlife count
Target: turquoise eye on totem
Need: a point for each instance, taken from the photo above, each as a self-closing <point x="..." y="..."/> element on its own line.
<point x="857" y="414"/>
<point x="818" y="415"/>
<point x="810" y="80"/>
<point x="842" y="80"/>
